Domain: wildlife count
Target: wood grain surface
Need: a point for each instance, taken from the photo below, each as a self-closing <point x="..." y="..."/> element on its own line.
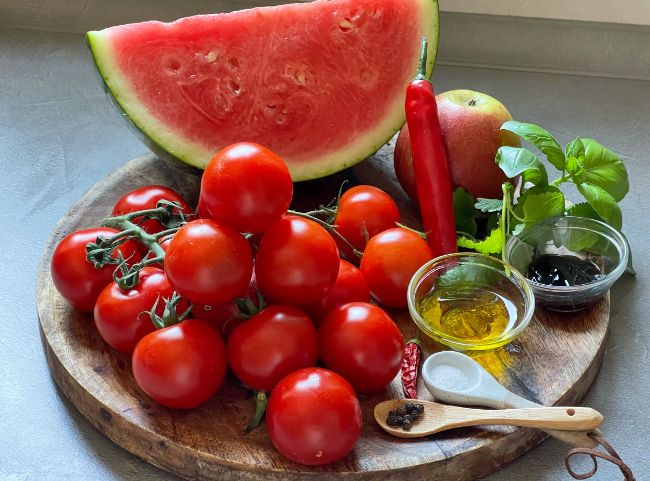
<point x="553" y="362"/>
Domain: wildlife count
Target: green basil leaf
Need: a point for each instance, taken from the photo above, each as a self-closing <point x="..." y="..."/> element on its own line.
<point x="489" y="205"/>
<point x="575" y="148"/>
<point x="573" y="166"/>
<point x="516" y="161"/>
<point x="582" y="240"/>
<point x="492" y="244"/>
<point x="540" y="138"/>
<point x="604" y="168"/>
<point x="464" y="212"/>
<point x="603" y="204"/>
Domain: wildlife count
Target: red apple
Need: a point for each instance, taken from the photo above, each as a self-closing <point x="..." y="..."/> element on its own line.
<point x="471" y="129"/>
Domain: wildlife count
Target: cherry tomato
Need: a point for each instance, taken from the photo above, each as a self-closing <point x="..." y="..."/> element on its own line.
<point x="208" y="263"/>
<point x="76" y="279"/>
<point x="361" y="342"/>
<point x="121" y="316"/>
<point x="363" y="212"/>
<point x="389" y="262"/>
<point x="181" y="366"/>
<point x="350" y="286"/>
<point x="313" y="417"/>
<point x="146" y="198"/>
<point x="297" y="262"/>
<point x="225" y="317"/>
<point x="273" y="343"/>
<point x="247" y="187"/>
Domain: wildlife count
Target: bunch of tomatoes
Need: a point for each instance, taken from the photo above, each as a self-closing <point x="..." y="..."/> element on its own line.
<point x="257" y="288"/>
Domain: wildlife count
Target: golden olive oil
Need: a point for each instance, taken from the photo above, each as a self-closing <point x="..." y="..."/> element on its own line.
<point x="468" y="314"/>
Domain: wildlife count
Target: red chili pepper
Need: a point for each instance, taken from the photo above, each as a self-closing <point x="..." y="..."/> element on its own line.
<point x="409" y="369"/>
<point x="432" y="177"/>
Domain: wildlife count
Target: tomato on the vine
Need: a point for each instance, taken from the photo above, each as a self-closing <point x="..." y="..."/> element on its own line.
<point x="208" y="263"/>
<point x="247" y="187"/>
<point x="297" y="262"/>
<point x="121" y="315"/>
<point x="350" y="286"/>
<point x="77" y="279"/>
<point x="181" y="366"/>
<point x="147" y="197"/>
<point x="363" y="344"/>
<point x="272" y="344"/>
<point x="313" y="417"/>
<point x="389" y="262"/>
<point x="224" y="318"/>
<point x="363" y="212"/>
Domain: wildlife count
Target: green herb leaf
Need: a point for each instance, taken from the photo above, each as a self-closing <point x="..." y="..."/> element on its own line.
<point x="464" y="212"/>
<point x="465" y="276"/>
<point x="573" y="166"/>
<point x="490" y="245"/>
<point x="583" y="209"/>
<point x="540" y="138"/>
<point x="603" y="168"/>
<point x="544" y="205"/>
<point x="516" y="161"/>
<point x="575" y="149"/>
<point x="489" y="205"/>
<point x="603" y="204"/>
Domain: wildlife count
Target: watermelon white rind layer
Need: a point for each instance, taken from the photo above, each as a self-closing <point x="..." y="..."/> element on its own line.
<point x="172" y="143"/>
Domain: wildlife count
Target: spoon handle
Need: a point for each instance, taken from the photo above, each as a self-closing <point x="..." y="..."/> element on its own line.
<point x="564" y="419"/>
<point x="572" y="438"/>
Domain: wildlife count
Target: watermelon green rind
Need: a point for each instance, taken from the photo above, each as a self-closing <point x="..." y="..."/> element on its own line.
<point x="170" y="146"/>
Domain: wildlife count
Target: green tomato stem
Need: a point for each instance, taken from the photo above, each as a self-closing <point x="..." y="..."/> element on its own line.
<point x="328" y="227"/>
<point x="260" y="409"/>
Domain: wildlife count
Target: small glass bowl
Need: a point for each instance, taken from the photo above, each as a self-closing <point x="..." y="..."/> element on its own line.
<point x="579" y="236"/>
<point x="485" y="273"/>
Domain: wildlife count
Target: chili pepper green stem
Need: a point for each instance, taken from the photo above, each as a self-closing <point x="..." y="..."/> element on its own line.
<point x="422" y="65"/>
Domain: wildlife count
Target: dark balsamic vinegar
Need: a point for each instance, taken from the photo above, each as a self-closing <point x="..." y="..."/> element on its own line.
<point x="563" y="270"/>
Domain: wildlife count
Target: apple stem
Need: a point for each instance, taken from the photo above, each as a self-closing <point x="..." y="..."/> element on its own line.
<point x="422" y="65"/>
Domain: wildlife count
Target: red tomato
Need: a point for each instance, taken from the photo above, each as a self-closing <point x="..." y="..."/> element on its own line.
<point x="273" y="343"/>
<point x="363" y="344"/>
<point x="181" y="366"/>
<point x="208" y="263"/>
<point x="77" y="279"/>
<point x="350" y="286"/>
<point x="389" y="262"/>
<point x="363" y="211"/>
<point x="201" y="211"/>
<point x="297" y="262"/>
<point x="120" y="316"/>
<point x="313" y="417"/>
<point x="247" y="187"/>
<point x="146" y="198"/>
<point x="225" y="317"/>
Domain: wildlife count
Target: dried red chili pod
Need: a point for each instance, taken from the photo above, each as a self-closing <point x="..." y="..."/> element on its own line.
<point x="410" y="367"/>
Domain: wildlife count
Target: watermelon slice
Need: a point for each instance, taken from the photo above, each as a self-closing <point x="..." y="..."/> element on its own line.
<point x="321" y="84"/>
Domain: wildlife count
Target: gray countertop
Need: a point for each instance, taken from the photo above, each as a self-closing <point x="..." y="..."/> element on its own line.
<point x="59" y="135"/>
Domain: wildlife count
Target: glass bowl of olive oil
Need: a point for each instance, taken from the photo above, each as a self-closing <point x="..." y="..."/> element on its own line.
<point x="570" y="262"/>
<point x="470" y="301"/>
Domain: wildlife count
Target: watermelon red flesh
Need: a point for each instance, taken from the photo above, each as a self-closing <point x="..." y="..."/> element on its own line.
<point x="322" y="83"/>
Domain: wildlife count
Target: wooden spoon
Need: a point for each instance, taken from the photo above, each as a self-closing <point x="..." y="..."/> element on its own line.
<point x="441" y="417"/>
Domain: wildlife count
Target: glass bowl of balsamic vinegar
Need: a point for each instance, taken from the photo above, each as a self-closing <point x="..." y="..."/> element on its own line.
<point x="569" y="262"/>
<point x="470" y="301"/>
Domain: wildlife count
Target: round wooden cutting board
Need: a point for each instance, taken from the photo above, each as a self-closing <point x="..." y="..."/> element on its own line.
<point x="553" y="362"/>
